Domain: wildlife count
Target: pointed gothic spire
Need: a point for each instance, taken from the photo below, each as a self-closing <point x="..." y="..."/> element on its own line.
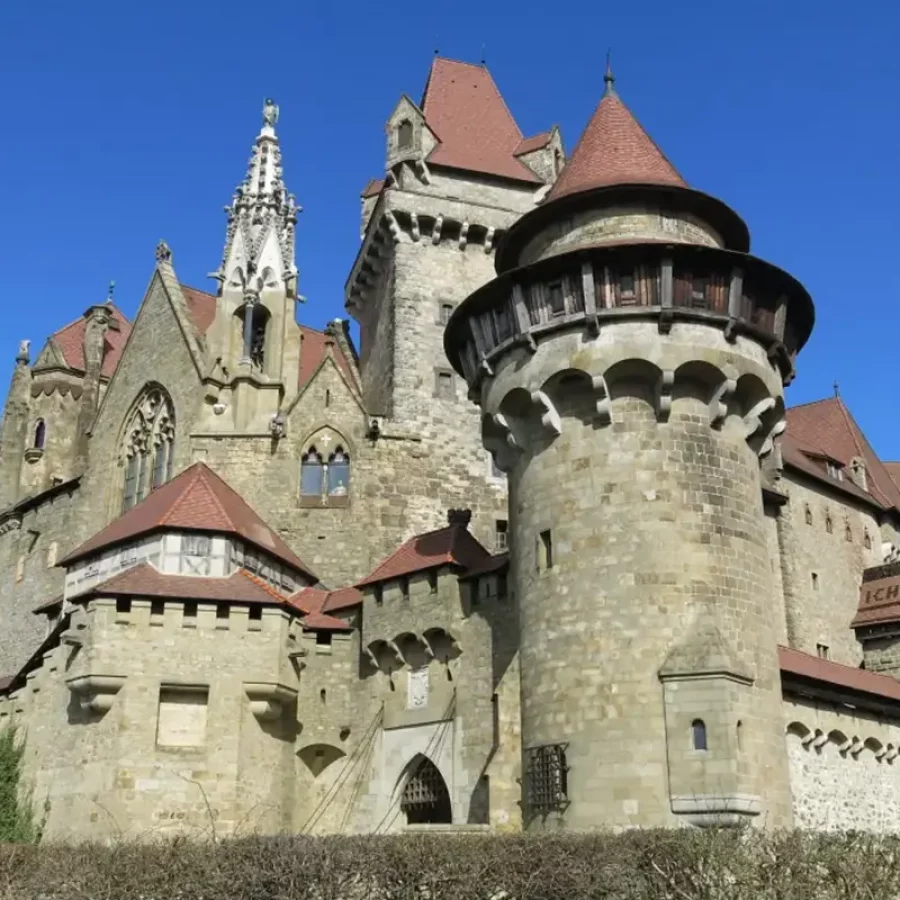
<point x="261" y="204"/>
<point x="614" y="149"/>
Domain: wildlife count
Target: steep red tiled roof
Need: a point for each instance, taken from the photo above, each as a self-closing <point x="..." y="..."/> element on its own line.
<point x="195" y="500"/>
<point x="69" y="341"/>
<point x="795" y="662"/>
<point x="373" y="187"/>
<point x="314" y="348"/>
<point x="316" y="604"/>
<point x="893" y="469"/>
<point x="529" y="145"/>
<point x="453" y="545"/>
<point x="463" y="107"/>
<point x="614" y="149"/>
<point x="879" y="601"/>
<point x="796" y="455"/>
<point x="201" y="306"/>
<point x="826" y="426"/>
<point x="146" y="581"/>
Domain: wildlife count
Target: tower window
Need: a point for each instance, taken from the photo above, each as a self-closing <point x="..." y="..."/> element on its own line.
<point x="809" y="515"/>
<point x="446" y="310"/>
<point x="698" y="735"/>
<point x="404" y="588"/>
<point x="323" y="638"/>
<point x="545" y="551"/>
<point x="848" y="532"/>
<point x="444" y="385"/>
<point x="40" y="434"/>
<point x="404" y="135"/>
<point x="433" y="581"/>
<point x="822" y="651"/>
<point x="815" y="581"/>
<point x="379" y="595"/>
<point x="501" y="534"/>
<point x="829" y="525"/>
<point x="556" y="298"/>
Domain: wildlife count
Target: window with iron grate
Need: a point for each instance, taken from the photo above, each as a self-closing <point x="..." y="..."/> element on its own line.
<point x="546" y="779"/>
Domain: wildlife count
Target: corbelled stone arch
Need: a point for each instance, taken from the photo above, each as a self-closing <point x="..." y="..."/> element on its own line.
<point x="527" y="419"/>
<point x="578" y="394"/>
<point x="762" y="413"/>
<point x="704" y="386"/>
<point x="636" y="384"/>
<point x="318" y="757"/>
<point x="413" y="649"/>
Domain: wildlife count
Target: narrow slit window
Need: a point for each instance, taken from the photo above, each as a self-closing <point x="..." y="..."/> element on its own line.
<point x="404" y="588"/>
<point x="446" y="312"/>
<point x="815" y="581"/>
<point x="40" y="434"/>
<point x="698" y="735"/>
<point x="545" y="549"/>
<point x="444" y="386"/>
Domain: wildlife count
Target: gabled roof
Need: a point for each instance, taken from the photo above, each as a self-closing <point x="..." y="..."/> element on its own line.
<point x="529" y="145"/>
<point x="893" y="469"/>
<point x="314" y="348"/>
<point x="201" y="307"/>
<point x="826" y="427"/>
<point x="317" y="604"/>
<point x="69" y="342"/>
<point x="195" y="500"/>
<point x="465" y="110"/>
<point x="614" y="149"/>
<point x="453" y="545"/>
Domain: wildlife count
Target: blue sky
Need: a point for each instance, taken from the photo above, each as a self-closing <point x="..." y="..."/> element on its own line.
<point x="127" y="122"/>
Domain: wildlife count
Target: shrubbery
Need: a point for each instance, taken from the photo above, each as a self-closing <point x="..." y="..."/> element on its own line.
<point x="17" y="821"/>
<point x="640" y="865"/>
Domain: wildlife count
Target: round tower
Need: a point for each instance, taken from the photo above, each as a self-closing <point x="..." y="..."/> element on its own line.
<point x="629" y="360"/>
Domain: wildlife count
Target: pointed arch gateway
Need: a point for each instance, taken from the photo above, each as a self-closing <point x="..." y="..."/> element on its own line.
<point x="425" y="799"/>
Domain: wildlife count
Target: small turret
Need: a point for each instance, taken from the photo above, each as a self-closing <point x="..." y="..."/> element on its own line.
<point x="14" y="427"/>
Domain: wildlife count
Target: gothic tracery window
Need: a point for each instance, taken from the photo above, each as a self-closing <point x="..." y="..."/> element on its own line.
<point x="325" y="480"/>
<point x="149" y="447"/>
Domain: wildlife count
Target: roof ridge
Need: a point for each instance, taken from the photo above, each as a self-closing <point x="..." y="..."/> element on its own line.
<point x="260" y="583"/>
<point x="188" y="487"/>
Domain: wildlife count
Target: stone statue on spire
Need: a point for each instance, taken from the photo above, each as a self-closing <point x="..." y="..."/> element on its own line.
<point x="270" y="112"/>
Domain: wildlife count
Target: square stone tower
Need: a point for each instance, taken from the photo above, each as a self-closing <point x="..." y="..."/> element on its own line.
<point x="459" y="174"/>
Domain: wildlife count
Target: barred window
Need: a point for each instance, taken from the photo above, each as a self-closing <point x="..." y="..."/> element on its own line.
<point x="546" y="779"/>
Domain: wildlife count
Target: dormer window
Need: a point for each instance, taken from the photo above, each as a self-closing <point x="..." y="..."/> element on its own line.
<point x="835" y="471"/>
<point x="404" y="135"/>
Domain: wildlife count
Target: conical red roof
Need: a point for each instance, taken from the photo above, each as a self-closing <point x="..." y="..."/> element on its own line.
<point x="614" y="149"/>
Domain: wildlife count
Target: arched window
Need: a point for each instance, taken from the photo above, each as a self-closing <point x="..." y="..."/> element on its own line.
<point x="829" y="525"/>
<point x="426" y="800"/>
<point x="312" y="474"/>
<point x="698" y="735"/>
<point x="809" y="517"/>
<point x="404" y="135"/>
<point x="149" y="447"/>
<point x="338" y="473"/>
<point x="40" y="435"/>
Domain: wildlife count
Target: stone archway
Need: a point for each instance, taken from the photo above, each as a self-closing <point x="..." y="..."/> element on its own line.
<point x="425" y="799"/>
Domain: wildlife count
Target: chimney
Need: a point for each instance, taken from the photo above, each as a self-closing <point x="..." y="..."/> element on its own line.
<point x="459" y="517"/>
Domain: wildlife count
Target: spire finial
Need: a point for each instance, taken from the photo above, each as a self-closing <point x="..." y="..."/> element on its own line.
<point x="837" y="389"/>
<point x="608" y="78"/>
<point x="112" y="290"/>
<point x="484" y="54"/>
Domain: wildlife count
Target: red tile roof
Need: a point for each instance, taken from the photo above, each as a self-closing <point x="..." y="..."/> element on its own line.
<point x="195" y="500"/>
<point x="797" y="455"/>
<point x="201" y="306"/>
<point x="614" y="149"/>
<point x="499" y="562"/>
<point x="795" y="662"/>
<point x="827" y="428"/>
<point x="879" y="601"/>
<point x="529" y="145"/>
<point x="453" y="545"/>
<point x="313" y="350"/>
<point x="893" y="469"/>
<point x="69" y="341"/>
<point x="316" y="605"/>
<point x="463" y="107"/>
<point x="146" y="581"/>
<point x="373" y="187"/>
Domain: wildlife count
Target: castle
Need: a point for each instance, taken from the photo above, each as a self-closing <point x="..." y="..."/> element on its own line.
<point x="547" y="552"/>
